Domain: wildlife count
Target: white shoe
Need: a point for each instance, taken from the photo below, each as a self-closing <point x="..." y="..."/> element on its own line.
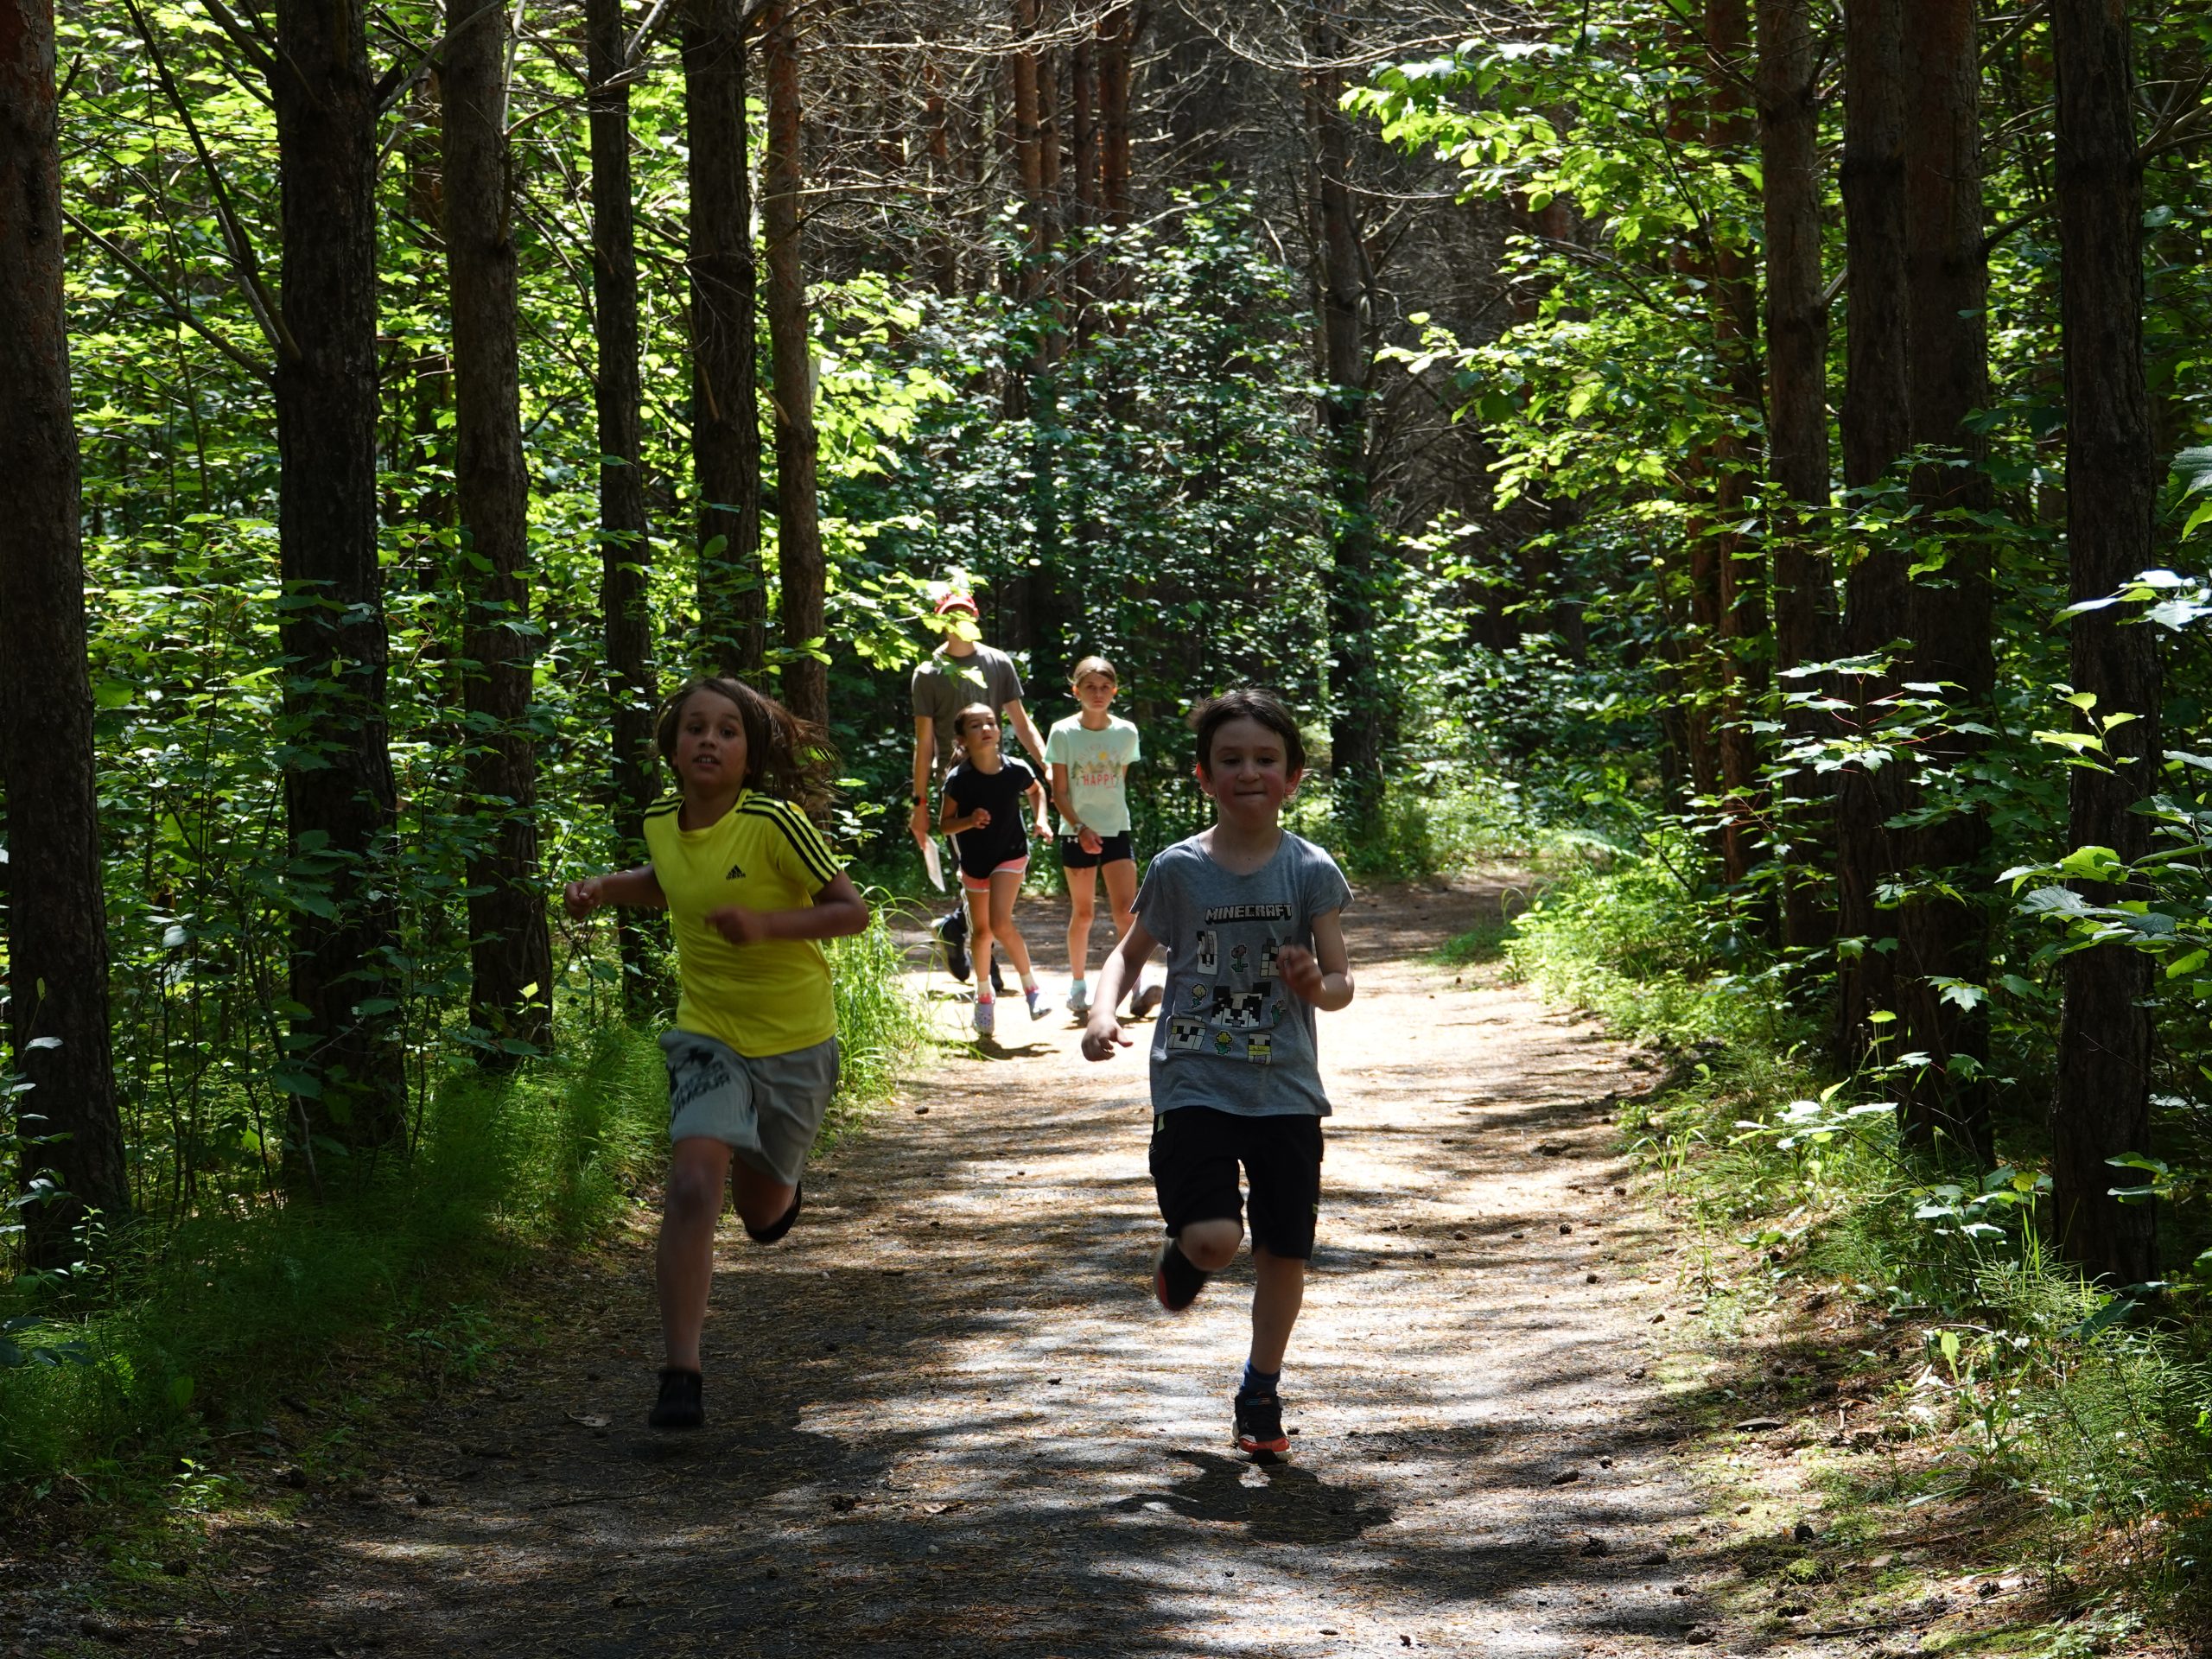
<point x="986" y="1018"/>
<point x="1078" y="999"/>
<point x="1146" y="1000"/>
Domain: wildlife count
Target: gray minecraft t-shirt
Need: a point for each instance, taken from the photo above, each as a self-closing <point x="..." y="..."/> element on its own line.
<point x="1230" y="1035"/>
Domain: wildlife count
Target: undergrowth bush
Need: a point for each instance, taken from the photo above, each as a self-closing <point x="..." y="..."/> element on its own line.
<point x="246" y="1300"/>
<point x="2017" y="1376"/>
<point x="1639" y="947"/>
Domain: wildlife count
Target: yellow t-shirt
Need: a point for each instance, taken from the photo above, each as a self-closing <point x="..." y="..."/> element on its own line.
<point x="763" y="999"/>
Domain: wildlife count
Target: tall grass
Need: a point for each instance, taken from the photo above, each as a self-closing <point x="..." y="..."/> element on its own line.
<point x="246" y="1301"/>
<point x="2022" y="1380"/>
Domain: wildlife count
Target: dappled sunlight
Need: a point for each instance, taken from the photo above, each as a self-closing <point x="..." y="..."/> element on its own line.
<point x="946" y="1414"/>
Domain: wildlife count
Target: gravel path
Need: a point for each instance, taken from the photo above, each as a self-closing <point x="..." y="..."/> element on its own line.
<point x="945" y="1416"/>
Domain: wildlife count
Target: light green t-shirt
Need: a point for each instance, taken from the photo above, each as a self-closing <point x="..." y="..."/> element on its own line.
<point x="1095" y="762"/>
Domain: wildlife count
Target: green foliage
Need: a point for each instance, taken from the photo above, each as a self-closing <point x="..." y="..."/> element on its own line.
<point x="1646" y="952"/>
<point x="881" y="1025"/>
<point x="244" y="1302"/>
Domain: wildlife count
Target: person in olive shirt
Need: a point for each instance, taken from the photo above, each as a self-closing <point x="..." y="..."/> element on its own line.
<point x="962" y="670"/>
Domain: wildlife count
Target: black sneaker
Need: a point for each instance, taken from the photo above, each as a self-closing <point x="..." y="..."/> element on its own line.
<point x="1174" y="1280"/>
<point x="776" y="1229"/>
<point x="1259" y="1428"/>
<point x="679" y="1405"/>
<point x="952" y="933"/>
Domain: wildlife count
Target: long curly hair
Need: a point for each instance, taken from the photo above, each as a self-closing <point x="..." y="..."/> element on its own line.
<point x="784" y="756"/>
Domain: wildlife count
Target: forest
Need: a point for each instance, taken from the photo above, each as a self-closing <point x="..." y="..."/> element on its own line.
<point x="1740" y="466"/>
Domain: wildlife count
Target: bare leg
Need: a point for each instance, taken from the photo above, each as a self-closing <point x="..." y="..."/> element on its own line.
<point x="1279" y="1291"/>
<point x="762" y="1200"/>
<point x="1121" y="897"/>
<point x="1006" y="887"/>
<point x="1082" y="887"/>
<point x="979" y="939"/>
<point x="1209" y="1246"/>
<point x="684" y="1262"/>
<point x="1122" y="893"/>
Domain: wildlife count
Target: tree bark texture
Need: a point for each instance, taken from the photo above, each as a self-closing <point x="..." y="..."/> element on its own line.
<point x="798" y="527"/>
<point x="510" y="955"/>
<point x="625" y="543"/>
<point x="1029" y="144"/>
<point x="1948" y="612"/>
<point x="340" y="804"/>
<point x="1742" y="593"/>
<point x="1876" y="429"/>
<point x="1797" y="437"/>
<point x="724" y="392"/>
<point x="1117" y="36"/>
<point x="1355" y="721"/>
<point x="2102" y="1107"/>
<point x="57" y="916"/>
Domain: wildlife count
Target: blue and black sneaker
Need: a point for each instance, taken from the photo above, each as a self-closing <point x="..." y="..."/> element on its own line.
<point x="1259" y="1428"/>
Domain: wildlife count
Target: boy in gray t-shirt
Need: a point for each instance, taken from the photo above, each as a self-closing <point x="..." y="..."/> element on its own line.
<point x="1249" y="915"/>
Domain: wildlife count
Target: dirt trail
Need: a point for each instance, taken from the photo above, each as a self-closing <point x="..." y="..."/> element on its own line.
<point x="946" y="1418"/>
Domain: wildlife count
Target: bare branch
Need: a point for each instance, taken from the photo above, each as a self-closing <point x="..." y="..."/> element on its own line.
<point x="176" y="307"/>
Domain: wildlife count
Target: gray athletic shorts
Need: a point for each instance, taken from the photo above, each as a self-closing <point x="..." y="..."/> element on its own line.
<point x="768" y="1111"/>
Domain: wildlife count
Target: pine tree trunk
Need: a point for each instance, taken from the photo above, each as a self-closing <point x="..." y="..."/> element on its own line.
<point x="340" y="804"/>
<point x="1355" y="719"/>
<point x="1083" y="197"/>
<point x="1876" y="431"/>
<point x="2103" y="1108"/>
<point x="1117" y="33"/>
<point x="1948" y="615"/>
<point x="798" y="530"/>
<point x="510" y="955"/>
<point x="1797" y="434"/>
<point x="1029" y="144"/>
<point x="1741" y="591"/>
<point x="56" y="918"/>
<point x="625" y="543"/>
<point x="725" y="395"/>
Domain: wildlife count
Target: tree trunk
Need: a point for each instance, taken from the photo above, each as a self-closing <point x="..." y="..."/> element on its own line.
<point x="1948" y="612"/>
<point x="1741" y="593"/>
<point x="798" y="529"/>
<point x="1876" y="430"/>
<point x="1355" y="712"/>
<point x="2102" y="1108"/>
<point x="626" y="544"/>
<point x="1083" y="197"/>
<point x="510" y="955"/>
<point x="1029" y="144"/>
<point x="1797" y="433"/>
<point x="344" y="1065"/>
<point x="941" y="247"/>
<point x="725" y="395"/>
<point x="57" y="918"/>
<point x="1117" y="33"/>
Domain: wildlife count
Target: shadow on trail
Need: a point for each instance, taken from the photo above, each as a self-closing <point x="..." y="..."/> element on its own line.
<point x="944" y="1417"/>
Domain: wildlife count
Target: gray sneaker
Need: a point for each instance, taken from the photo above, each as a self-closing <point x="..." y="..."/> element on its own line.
<point x="986" y="1018"/>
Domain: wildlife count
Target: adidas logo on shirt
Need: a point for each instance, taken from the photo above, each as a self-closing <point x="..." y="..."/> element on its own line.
<point x="736" y="874"/>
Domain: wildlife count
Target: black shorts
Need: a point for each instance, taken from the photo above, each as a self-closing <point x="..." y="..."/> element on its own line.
<point x="1195" y="1152"/>
<point x="1112" y="849"/>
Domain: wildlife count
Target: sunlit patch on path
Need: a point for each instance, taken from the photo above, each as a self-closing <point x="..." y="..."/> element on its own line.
<point x="946" y="1417"/>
